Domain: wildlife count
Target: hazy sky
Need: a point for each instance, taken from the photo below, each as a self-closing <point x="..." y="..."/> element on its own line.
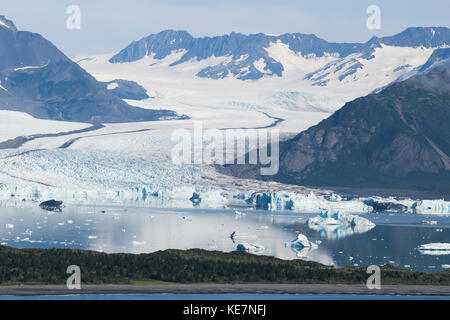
<point x="107" y="26"/>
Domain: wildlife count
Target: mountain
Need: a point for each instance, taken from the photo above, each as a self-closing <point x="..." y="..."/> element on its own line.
<point x="126" y="89"/>
<point x="415" y="38"/>
<point x="254" y="56"/>
<point x="37" y="78"/>
<point x="439" y="57"/>
<point x="21" y="48"/>
<point x="399" y="138"/>
<point x="246" y="51"/>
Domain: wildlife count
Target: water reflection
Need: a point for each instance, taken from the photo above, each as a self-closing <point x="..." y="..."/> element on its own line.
<point x="338" y="225"/>
<point x="142" y="230"/>
<point x="335" y="232"/>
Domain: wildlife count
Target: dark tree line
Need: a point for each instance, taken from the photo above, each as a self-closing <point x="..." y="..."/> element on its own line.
<point x="48" y="266"/>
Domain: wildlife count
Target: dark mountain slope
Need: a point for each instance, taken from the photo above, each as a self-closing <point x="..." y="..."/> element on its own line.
<point x="398" y="138"/>
<point x="37" y="78"/>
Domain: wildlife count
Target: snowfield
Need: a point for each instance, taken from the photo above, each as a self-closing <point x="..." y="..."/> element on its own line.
<point x="14" y="124"/>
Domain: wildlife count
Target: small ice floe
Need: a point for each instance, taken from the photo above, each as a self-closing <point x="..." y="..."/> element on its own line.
<point x="339" y="224"/>
<point x="301" y="246"/>
<point x="9" y="226"/>
<point x="60" y="223"/>
<point x="435" y="249"/>
<point x="239" y="213"/>
<point x="429" y="222"/>
<point x="92" y="237"/>
<point x="138" y="243"/>
<point x="445" y="266"/>
<point x="69" y="221"/>
<point x="250" y="247"/>
<point x="263" y="228"/>
<point x="4" y="243"/>
<point x="439" y="230"/>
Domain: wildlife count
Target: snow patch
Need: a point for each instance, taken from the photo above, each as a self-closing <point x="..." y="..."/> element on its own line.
<point x="112" y="86"/>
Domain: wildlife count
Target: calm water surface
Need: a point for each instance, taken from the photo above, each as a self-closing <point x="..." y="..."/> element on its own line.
<point x="139" y="230"/>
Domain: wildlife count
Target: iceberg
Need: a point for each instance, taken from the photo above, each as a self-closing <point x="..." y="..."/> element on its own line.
<point x="302" y="246"/>
<point x="339" y="225"/>
<point x="310" y="203"/>
<point x="431" y="207"/>
<point x="435" y="249"/>
<point x="51" y="205"/>
<point x="250" y="247"/>
<point x="301" y="241"/>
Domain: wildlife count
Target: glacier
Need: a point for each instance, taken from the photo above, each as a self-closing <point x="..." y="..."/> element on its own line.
<point x="174" y="195"/>
<point x="134" y="169"/>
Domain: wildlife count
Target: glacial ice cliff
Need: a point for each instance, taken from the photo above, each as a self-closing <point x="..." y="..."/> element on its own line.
<point x="209" y="196"/>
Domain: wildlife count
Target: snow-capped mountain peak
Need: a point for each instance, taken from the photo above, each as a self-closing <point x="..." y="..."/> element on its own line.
<point x="249" y="57"/>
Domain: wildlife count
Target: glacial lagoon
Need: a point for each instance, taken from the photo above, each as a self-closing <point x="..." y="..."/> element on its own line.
<point x="394" y="240"/>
